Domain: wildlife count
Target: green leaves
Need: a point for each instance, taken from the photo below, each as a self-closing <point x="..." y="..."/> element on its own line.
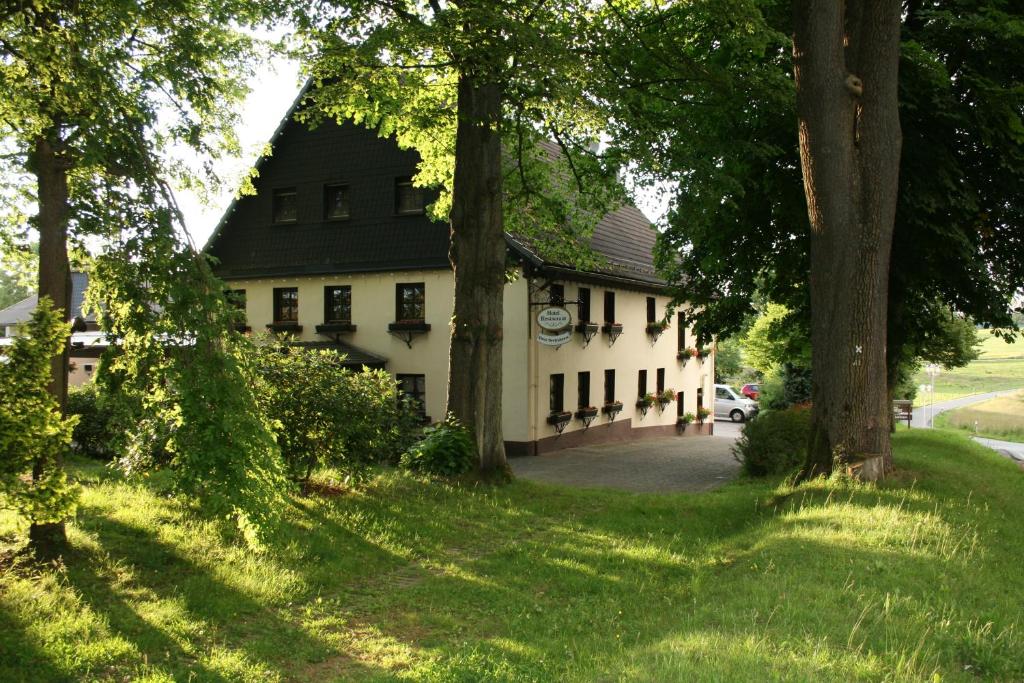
<point x="34" y="437"/>
<point x="326" y="415"/>
<point x="395" y="69"/>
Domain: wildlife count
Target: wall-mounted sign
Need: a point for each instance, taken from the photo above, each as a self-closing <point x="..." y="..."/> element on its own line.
<point x="554" y="318"/>
<point x="555" y="339"/>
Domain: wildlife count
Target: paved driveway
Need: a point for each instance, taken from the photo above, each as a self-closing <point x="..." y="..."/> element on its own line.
<point x="662" y="465"/>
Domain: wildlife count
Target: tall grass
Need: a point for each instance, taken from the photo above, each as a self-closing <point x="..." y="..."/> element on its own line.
<point x="999" y="418"/>
<point x="915" y="579"/>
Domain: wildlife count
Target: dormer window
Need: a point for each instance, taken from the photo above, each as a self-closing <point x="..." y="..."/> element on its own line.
<point x="285" y="205"/>
<point x="336" y="205"/>
<point x="408" y="198"/>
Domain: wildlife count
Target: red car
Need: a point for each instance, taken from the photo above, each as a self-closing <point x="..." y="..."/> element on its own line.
<point x="751" y="391"/>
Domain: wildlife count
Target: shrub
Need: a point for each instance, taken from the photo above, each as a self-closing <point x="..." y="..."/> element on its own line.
<point x="774" y="443"/>
<point x="92" y="437"/>
<point x="446" y="449"/>
<point x="328" y="415"/>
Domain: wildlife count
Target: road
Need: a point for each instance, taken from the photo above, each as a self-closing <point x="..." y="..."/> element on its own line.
<point x="1009" y="449"/>
<point x="942" y="406"/>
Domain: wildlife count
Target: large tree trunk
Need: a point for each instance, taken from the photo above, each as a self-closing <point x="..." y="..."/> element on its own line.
<point x="478" y="259"/>
<point x="50" y="168"/>
<point x="846" y="66"/>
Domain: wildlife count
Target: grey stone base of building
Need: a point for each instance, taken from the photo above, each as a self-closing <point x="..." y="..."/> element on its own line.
<point x="611" y="432"/>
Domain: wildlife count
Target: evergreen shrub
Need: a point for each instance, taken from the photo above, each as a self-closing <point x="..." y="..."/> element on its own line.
<point x="446" y="449"/>
<point x="774" y="443"/>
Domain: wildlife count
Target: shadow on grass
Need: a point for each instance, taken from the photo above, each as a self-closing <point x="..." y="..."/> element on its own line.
<point x="21" y="659"/>
<point x="135" y="573"/>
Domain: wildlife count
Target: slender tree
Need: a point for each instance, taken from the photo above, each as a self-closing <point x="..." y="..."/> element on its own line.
<point x="90" y="93"/>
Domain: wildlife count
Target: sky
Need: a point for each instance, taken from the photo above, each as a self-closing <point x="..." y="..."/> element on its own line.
<point x="272" y="93"/>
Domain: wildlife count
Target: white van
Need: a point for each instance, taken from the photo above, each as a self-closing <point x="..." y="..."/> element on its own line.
<point x="733" y="405"/>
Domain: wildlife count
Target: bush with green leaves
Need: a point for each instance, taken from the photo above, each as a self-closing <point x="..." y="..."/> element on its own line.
<point x="34" y="436"/>
<point x="446" y="449"/>
<point x="92" y="437"/>
<point x="774" y="443"/>
<point x="327" y="415"/>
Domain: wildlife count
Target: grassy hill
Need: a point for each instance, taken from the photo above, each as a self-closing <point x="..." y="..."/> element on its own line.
<point x="1000" y="366"/>
<point x="918" y="579"/>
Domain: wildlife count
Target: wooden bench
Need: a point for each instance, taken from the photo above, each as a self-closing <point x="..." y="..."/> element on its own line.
<point x="903" y="410"/>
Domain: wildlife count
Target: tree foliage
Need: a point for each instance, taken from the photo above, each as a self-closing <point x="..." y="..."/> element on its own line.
<point x="179" y="377"/>
<point x="494" y="98"/>
<point x="33" y="433"/>
<point x="93" y="96"/>
<point x="737" y="227"/>
<point x="777" y="337"/>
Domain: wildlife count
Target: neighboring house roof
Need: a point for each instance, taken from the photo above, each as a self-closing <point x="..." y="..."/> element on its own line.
<point x="20" y="312"/>
<point x="354" y="356"/>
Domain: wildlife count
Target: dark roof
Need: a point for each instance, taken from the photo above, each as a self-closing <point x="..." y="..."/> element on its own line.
<point x="624" y="242"/>
<point x="354" y="356"/>
<point x="22" y="311"/>
<point x="247" y="245"/>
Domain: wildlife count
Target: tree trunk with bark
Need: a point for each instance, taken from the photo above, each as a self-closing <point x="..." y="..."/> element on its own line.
<point x="51" y="170"/>
<point x="478" y="260"/>
<point x="846" y="59"/>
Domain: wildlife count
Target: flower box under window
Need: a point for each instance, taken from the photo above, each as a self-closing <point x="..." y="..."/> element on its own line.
<point x="331" y="328"/>
<point x="612" y="409"/>
<point x="613" y="330"/>
<point x="411" y="325"/>
<point x="284" y="327"/>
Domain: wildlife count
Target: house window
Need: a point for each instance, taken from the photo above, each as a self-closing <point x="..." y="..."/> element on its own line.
<point x="336" y="202"/>
<point x="651" y="309"/>
<point x="557" y="395"/>
<point x="680" y="410"/>
<point x="408" y="198"/>
<point x="237" y="299"/>
<point x="556" y="295"/>
<point x="681" y="327"/>
<point x="661" y="380"/>
<point x="410" y="302"/>
<point x="286" y="305"/>
<point x="609" y="386"/>
<point x="338" y="304"/>
<point x="583" y="310"/>
<point x="641" y="383"/>
<point x="286" y="205"/>
<point x="609" y="307"/>
<point x="583" y="390"/>
<point x="415" y="388"/>
<point x="88" y="368"/>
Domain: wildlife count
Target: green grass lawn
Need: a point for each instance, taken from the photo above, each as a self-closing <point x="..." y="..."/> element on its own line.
<point x="918" y="579"/>
<point x="999" y="366"/>
<point x="998" y="418"/>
